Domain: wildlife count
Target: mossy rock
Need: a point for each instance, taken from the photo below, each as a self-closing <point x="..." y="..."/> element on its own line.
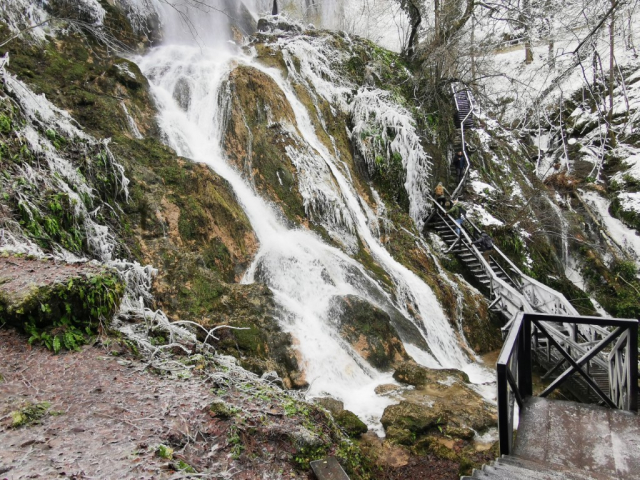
<point x="221" y="409"/>
<point x="351" y="424"/>
<point x="257" y="339"/>
<point x="256" y="138"/>
<point x="411" y="416"/>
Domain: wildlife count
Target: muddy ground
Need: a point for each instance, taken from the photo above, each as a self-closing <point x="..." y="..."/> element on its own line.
<point x="103" y="413"/>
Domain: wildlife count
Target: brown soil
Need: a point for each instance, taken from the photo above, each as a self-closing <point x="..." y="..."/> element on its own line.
<point x="109" y="413"/>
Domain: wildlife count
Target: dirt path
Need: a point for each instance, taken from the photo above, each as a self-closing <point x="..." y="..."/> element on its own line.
<point x="104" y="414"/>
<point x="105" y="419"/>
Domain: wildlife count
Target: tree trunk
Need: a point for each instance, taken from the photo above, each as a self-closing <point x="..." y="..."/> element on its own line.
<point x="274" y="11"/>
<point x="436" y="19"/>
<point x="528" y="52"/>
<point x="611" y="75"/>
<point x="473" y="48"/>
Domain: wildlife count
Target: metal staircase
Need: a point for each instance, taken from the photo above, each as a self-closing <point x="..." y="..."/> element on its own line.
<point x="510" y="291"/>
<point x="593" y="358"/>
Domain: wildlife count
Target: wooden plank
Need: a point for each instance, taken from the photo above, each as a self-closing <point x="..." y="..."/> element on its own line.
<point x="328" y="469"/>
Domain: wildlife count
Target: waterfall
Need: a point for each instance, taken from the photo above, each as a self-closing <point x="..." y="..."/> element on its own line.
<point x="305" y="274"/>
<point x="564" y="232"/>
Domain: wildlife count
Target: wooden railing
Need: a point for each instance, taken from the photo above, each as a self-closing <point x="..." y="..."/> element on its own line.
<point x="618" y="343"/>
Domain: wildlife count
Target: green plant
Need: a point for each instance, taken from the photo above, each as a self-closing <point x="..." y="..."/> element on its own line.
<point x="185" y="467"/>
<point x="67" y="314"/>
<point x="29" y="414"/>
<point x="233" y="439"/>
<point x="163" y="451"/>
<point x="5" y="124"/>
<point x="308" y="454"/>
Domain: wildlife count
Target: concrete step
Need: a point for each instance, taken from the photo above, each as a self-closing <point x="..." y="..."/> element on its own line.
<point x="515" y="468"/>
<point x="557" y="470"/>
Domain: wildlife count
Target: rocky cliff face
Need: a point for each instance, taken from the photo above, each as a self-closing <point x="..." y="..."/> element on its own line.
<point x="320" y="125"/>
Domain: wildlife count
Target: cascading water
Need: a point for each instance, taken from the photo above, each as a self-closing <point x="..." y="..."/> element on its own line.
<point x="305" y="274"/>
<point x="564" y="231"/>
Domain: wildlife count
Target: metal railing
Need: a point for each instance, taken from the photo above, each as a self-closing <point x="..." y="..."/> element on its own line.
<point x="514" y="366"/>
<point x="502" y="294"/>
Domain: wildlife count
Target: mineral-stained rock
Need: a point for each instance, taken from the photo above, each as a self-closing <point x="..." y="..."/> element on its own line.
<point x="385" y="453"/>
<point x="416" y="375"/>
<point x="387" y="389"/>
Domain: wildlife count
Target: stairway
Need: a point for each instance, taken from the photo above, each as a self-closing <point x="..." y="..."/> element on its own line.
<point x="576" y="384"/>
<point x="463" y="120"/>
<point x="567" y="440"/>
<point x="464" y="108"/>
<point x="468" y="255"/>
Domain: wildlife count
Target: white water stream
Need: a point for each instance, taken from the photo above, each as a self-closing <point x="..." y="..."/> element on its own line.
<point x="305" y="274"/>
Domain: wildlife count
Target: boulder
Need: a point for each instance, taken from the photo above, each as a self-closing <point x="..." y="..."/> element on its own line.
<point x="351" y="424"/>
<point x="418" y="376"/>
<point x="442" y="407"/>
<point x="369" y="330"/>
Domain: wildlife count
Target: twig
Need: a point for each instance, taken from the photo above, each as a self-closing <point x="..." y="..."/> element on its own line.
<point x="23" y="31"/>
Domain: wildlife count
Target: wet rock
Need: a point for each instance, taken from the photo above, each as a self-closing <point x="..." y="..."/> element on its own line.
<point x="334" y="406"/>
<point x="257" y="339"/>
<point x="387" y="389"/>
<point x="182" y="94"/>
<point x="442" y="404"/>
<point x="369" y="330"/>
<point x="242" y="20"/>
<point x="256" y="138"/>
<point x="277" y="24"/>
<point x="417" y="375"/>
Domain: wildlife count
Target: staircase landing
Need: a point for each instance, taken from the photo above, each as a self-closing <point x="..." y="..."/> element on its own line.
<point x="566" y="440"/>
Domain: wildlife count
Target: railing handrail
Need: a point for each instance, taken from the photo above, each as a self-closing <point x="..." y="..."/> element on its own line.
<point x="517" y="350"/>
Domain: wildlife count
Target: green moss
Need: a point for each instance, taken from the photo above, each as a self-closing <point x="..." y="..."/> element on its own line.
<point x="629" y="217"/>
<point x="164" y="451"/>
<point x="222" y="409"/>
<point x="350" y="422"/>
<point x="5" y="124"/>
